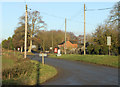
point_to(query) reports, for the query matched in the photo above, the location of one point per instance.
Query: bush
(24, 68)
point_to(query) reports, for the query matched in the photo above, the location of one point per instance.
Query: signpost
(109, 42)
(43, 59)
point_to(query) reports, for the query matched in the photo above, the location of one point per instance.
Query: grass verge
(28, 53)
(19, 71)
(46, 72)
(95, 59)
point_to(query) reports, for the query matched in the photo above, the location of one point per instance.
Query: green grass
(30, 53)
(9, 61)
(96, 59)
(22, 79)
(46, 72)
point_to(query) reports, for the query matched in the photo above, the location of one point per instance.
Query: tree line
(38, 35)
(98, 40)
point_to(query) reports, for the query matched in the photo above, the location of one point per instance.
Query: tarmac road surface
(78, 73)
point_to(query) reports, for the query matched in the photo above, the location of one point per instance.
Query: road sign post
(42, 58)
(109, 42)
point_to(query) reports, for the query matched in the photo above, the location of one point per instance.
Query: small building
(69, 45)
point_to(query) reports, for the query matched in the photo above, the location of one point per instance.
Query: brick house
(69, 45)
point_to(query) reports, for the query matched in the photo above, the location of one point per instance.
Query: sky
(54, 14)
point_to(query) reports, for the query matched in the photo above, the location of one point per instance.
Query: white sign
(108, 40)
(43, 54)
(58, 53)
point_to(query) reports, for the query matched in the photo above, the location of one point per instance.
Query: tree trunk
(30, 47)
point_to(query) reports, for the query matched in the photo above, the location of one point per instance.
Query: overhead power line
(59, 17)
(77, 14)
(97, 9)
(49, 14)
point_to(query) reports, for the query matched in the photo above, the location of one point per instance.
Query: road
(78, 73)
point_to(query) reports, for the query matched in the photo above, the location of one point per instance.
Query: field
(19, 71)
(95, 59)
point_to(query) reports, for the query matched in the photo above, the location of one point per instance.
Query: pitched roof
(64, 42)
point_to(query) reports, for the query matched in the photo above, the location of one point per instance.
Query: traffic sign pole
(42, 58)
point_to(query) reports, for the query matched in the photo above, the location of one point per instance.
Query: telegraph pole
(52, 41)
(25, 32)
(65, 35)
(84, 31)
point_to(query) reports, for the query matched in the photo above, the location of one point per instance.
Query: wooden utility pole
(84, 32)
(52, 41)
(25, 32)
(65, 35)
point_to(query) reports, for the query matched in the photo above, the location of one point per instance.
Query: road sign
(43, 54)
(55, 50)
(109, 40)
